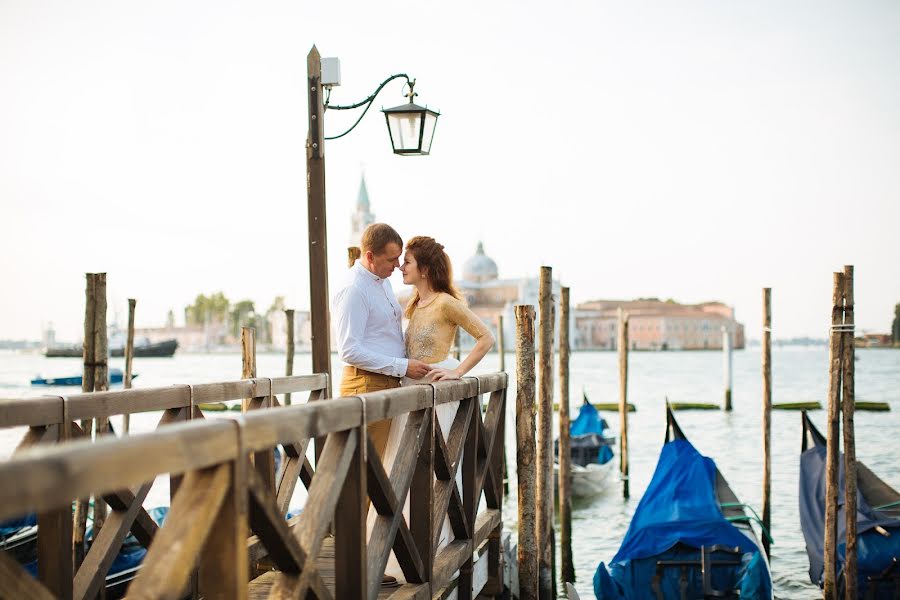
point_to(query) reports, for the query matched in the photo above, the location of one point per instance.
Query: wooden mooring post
(248, 359)
(835, 354)
(129, 359)
(545, 508)
(289, 366)
(501, 346)
(848, 408)
(623, 401)
(527, 552)
(726, 357)
(767, 417)
(567, 568)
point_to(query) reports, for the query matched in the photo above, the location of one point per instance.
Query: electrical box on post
(331, 71)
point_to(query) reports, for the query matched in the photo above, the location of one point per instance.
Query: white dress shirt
(368, 319)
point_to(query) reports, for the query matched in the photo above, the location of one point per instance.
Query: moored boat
(116, 376)
(591, 452)
(690, 536)
(145, 349)
(877, 522)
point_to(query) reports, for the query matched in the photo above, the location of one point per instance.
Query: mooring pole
(726, 355)
(289, 366)
(248, 359)
(457, 351)
(545, 434)
(501, 347)
(623, 401)
(129, 359)
(835, 354)
(527, 553)
(848, 405)
(767, 417)
(567, 570)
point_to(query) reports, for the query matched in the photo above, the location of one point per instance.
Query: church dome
(480, 267)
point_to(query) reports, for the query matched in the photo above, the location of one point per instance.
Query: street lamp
(411, 129)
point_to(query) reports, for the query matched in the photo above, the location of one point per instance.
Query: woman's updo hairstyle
(434, 265)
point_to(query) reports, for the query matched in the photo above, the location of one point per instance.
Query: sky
(690, 150)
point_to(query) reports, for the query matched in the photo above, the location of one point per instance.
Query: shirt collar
(361, 271)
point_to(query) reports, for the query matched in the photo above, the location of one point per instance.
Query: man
(369, 330)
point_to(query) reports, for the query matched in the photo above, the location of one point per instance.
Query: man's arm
(351, 313)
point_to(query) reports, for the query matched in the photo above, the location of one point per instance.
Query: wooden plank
(265, 429)
(54, 548)
(445, 491)
(493, 382)
(92, 574)
(46, 410)
(18, 583)
(451, 391)
(224, 568)
(49, 477)
(38, 434)
(267, 521)
(448, 560)
(421, 495)
(397, 401)
(172, 556)
(470, 493)
(299, 383)
(487, 521)
(107, 404)
(143, 527)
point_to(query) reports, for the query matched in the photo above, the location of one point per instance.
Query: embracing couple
(369, 328)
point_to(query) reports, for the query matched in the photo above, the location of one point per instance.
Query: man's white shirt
(368, 324)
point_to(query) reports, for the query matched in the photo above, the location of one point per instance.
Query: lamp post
(411, 129)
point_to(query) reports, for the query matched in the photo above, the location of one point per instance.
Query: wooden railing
(228, 489)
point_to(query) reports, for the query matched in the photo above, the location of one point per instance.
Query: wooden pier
(226, 535)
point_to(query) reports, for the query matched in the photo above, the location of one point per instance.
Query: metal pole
(318, 239)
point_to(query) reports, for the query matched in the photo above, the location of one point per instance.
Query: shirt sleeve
(351, 310)
(457, 312)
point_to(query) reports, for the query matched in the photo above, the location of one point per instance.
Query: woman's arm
(460, 314)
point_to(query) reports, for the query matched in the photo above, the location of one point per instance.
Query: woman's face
(410, 269)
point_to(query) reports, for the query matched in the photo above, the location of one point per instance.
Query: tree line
(217, 310)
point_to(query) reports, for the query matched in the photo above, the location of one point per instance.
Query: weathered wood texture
(316, 213)
(289, 356)
(623, 401)
(848, 408)
(835, 354)
(567, 567)
(501, 344)
(527, 553)
(129, 359)
(220, 502)
(767, 416)
(546, 538)
(726, 358)
(248, 360)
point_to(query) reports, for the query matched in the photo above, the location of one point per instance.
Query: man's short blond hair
(377, 236)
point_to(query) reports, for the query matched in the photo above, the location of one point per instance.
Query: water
(732, 439)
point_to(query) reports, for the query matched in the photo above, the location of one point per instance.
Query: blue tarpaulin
(588, 421)
(678, 514)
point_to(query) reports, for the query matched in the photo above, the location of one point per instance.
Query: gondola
(116, 376)
(877, 522)
(590, 451)
(690, 536)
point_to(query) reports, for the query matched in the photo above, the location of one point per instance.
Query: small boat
(591, 452)
(116, 376)
(877, 522)
(690, 536)
(143, 349)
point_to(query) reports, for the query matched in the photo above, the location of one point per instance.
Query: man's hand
(417, 369)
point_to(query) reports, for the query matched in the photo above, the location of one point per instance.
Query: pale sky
(694, 150)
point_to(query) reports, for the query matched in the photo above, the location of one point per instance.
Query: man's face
(384, 263)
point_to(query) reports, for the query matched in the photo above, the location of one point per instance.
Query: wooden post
(767, 416)
(831, 454)
(565, 477)
(545, 435)
(726, 354)
(101, 378)
(525, 453)
(623, 401)
(318, 232)
(129, 358)
(248, 359)
(457, 351)
(289, 367)
(87, 425)
(848, 405)
(501, 348)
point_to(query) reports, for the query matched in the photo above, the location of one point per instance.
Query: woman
(435, 312)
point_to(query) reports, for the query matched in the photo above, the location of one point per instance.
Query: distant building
(874, 340)
(277, 320)
(362, 215)
(656, 325)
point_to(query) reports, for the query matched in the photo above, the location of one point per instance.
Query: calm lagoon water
(732, 439)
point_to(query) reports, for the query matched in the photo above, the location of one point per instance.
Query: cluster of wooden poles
(841, 402)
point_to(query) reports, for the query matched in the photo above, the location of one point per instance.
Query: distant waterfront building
(362, 215)
(656, 325)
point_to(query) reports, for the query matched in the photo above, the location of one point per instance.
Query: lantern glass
(411, 128)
